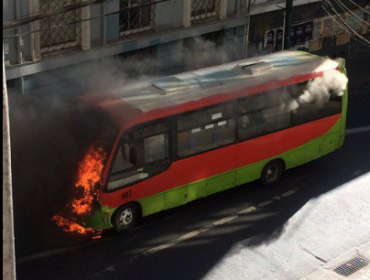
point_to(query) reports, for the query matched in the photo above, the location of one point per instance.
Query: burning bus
(180, 138)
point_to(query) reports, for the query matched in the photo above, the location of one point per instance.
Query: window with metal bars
(205, 10)
(59, 31)
(136, 16)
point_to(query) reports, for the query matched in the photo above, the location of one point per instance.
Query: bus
(190, 135)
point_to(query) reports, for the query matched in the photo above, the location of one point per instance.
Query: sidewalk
(326, 272)
(325, 233)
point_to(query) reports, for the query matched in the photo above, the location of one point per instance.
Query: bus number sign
(126, 195)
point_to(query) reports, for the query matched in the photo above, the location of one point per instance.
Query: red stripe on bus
(214, 162)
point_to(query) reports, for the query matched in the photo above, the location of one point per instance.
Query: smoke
(49, 136)
(201, 53)
(319, 90)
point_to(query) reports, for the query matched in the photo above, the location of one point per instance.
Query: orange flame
(89, 173)
(71, 226)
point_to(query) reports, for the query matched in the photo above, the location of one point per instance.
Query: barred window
(204, 10)
(59, 31)
(136, 16)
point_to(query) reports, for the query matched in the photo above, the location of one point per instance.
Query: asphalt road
(187, 242)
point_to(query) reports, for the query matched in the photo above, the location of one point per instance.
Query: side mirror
(133, 156)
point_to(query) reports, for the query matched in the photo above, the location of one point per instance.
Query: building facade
(69, 46)
(329, 27)
(63, 45)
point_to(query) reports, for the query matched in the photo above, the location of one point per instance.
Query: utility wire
(75, 22)
(348, 28)
(340, 3)
(344, 28)
(20, 22)
(354, 3)
(343, 22)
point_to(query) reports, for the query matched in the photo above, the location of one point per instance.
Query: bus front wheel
(272, 173)
(125, 217)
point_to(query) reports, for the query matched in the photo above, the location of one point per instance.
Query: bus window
(263, 114)
(205, 130)
(316, 110)
(122, 159)
(151, 147)
(156, 148)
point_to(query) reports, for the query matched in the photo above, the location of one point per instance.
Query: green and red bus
(190, 135)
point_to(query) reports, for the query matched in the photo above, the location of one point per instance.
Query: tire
(271, 173)
(125, 217)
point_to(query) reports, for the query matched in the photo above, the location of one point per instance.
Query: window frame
(138, 29)
(82, 38)
(163, 164)
(260, 94)
(234, 116)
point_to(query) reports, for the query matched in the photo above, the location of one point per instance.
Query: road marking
(225, 220)
(247, 210)
(288, 193)
(358, 130)
(267, 202)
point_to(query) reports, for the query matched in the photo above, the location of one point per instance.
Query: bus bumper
(99, 218)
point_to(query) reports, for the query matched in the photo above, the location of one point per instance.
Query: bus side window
(205, 130)
(315, 109)
(122, 158)
(263, 114)
(151, 147)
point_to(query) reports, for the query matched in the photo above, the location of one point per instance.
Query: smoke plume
(49, 136)
(320, 89)
(201, 53)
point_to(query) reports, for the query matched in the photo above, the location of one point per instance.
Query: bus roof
(162, 97)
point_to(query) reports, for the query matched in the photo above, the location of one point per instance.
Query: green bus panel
(329, 143)
(175, 197)
(294, 157)
(249, 173)
(221, 182)
(152, 204)
(197, 190)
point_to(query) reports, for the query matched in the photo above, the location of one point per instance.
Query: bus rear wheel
(125, 218)
(272, 173)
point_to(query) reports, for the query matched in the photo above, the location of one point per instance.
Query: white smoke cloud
(202, 53)
(319, 90)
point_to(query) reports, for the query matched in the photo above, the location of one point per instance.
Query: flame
(69, 225)
(89, 173)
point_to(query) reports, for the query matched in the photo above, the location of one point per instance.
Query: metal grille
(351, 266)
(136, 16)
(204, 10)
(60, 30)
